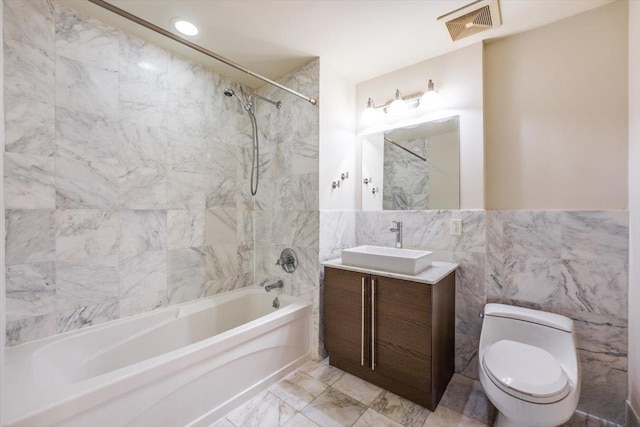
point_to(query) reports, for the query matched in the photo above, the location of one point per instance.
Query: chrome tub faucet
(278, 285)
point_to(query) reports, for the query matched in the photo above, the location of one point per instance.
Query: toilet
(528, 366)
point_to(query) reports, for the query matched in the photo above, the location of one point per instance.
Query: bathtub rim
(83, 395)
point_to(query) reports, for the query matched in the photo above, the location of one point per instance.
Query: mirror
(415, 167)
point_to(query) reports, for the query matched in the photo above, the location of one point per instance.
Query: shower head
(229, 92)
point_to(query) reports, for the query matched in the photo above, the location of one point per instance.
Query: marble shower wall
(286, 206)
(406, 177)
(122, 167)
(573, 263)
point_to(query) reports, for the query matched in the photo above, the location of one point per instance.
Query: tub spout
(279, 284)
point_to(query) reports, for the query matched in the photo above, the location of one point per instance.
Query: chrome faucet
(398, 231)
(278, 285)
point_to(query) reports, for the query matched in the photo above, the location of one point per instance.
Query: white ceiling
(359, 39)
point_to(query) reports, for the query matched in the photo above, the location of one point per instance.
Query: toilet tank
(551, 332)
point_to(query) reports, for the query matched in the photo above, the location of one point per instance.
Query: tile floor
(318, 394)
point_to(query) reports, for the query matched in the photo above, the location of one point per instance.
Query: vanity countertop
(432, 275)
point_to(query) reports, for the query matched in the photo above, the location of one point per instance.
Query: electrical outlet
(456, 227)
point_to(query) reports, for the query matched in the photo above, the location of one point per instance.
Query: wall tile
(299, 192)
(604, 385)
(143, 231)
(86, 39)
(86, 233)
(29, 127)
(86, 136)
(29, 72)
(29, 182)
(143, 146)
(186, 190)
(143, 188)
(81, 317)
(142, 303)
(143, 72)
(595, 235)
(30, 22)
(185, 268)
(473, 238)
(30, 329)
(142, 273)
(221, 192)
(30, 290)
(86, 184)
(221, 227)
(30, 236)
(531, 233)
(86, 282)
(221, 260)
(533, 280)
(596, 286)
(84, 88)
(185, 229)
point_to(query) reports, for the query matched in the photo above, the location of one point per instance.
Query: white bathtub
(183, 365)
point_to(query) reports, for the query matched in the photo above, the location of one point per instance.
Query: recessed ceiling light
(185, 27)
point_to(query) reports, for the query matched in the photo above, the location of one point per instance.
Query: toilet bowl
(528, 366)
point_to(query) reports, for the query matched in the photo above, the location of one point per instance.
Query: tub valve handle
(288, 260)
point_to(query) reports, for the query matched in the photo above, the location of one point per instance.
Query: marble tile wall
(286, 207)
(406, 177)
(122, 168)
(570, 262)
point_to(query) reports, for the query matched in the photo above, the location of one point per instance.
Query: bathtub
(184, 365)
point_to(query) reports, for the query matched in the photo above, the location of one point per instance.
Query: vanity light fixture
(185, 27)
(399, 106)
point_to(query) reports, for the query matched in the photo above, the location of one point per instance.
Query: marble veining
(86, 233)
(97, 190)
(142, 231)
(29, 126)
(29, 182)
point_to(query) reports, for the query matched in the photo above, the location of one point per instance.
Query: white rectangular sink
(403, 261)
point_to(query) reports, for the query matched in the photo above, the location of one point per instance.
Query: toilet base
(503, 421)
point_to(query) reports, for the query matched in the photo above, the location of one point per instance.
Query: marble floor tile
(299, 420)
(466, 397)
(357, 388)
(298, 389)
(444, 416)
(223, 423)
(401, 410)
(264, 410)
(323, 371)
(333, 408)
(373, 419)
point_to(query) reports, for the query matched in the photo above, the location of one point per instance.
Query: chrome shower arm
(278, 104)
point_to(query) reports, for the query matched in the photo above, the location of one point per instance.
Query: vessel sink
(403, 261)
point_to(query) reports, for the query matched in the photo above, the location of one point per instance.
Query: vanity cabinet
(395, 333)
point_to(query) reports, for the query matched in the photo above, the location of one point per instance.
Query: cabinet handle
(373, 324)
(362, 327)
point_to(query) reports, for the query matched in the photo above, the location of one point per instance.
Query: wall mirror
(415, 167)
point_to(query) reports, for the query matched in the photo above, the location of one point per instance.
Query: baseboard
(633, 420)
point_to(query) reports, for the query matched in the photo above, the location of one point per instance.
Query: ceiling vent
(478, 16)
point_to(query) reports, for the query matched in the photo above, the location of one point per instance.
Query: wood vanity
(392, 330)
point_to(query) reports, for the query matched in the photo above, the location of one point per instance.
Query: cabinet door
(346, 333)
(402, 332)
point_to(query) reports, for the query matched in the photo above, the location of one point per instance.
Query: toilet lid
(525, 371)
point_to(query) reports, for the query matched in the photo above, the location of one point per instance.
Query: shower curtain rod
(194, 46)
(405, 149)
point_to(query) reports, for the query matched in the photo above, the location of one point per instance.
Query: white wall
(373, 151)
(337, 140)
(634, 206)
(458, 78)
(556, 114)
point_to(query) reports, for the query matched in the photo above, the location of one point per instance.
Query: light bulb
(186, 28)
(431, 99)
(398, 105)
(370, 115)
